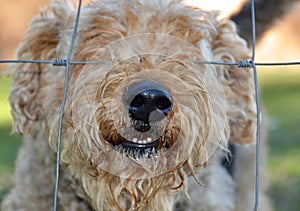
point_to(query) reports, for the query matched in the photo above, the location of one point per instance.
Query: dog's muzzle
(149, 104)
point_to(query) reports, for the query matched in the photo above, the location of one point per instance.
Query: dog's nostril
(137, 102)
(163, 103)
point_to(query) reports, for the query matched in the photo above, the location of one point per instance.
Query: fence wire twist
(242, 64)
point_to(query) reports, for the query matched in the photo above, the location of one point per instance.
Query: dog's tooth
(140, 141)
(127, 151)
(134, 140)
(158, 152)
(149, 140)
(118, 148)
(132, 153)
(147, 153)
(138, 153)
(145, 142)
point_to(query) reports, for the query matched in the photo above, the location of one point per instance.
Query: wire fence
(241, 64)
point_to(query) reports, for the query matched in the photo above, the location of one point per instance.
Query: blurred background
(280, 93)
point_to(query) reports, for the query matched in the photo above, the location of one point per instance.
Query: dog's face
(148, 114)
(148, 105)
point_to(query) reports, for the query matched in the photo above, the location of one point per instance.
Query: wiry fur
(212, 106)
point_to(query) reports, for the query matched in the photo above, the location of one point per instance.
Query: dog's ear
(39, 44)
(238, 83)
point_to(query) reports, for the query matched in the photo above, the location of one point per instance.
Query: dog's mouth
(142, 147)
(141, 144)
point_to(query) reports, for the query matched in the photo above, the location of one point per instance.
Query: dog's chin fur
(136, 40)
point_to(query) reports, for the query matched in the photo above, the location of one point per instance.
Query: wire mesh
(241, 64)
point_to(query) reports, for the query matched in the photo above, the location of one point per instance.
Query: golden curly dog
(145, 128)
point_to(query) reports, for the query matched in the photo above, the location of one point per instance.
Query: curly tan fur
(136, 40)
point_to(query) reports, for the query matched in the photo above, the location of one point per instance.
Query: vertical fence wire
(74, 35)
(258, 110)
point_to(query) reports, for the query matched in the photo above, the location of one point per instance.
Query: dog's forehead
(157, 4)
(137, 13)
(174, 25)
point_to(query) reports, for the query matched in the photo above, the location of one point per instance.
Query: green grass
(281, 96)
(4, 107)
(280, 93)
(9, 144)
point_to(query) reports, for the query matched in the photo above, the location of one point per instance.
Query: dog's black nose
(150, 102)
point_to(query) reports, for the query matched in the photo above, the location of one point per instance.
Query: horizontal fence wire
(242, 64)
(62, 62)
(54, 62)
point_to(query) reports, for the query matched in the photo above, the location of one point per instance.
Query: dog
(146, 123)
